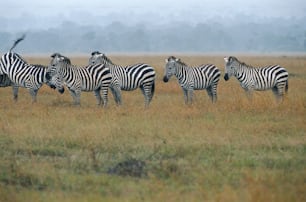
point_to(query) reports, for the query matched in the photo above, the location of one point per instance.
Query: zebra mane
(105, 58)
(17, 41)
(63, 58)
(66, 60)
(102, 57)
(182, 63)
(95, 53)
(171, 58)
(56, 55)
(231, 58)
(177, 60)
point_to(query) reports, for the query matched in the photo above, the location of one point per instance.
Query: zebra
(205, 76)
(18, 73)
(128, 78)
(90, 78)
(272, 77)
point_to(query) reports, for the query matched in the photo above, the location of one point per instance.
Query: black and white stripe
(128, 78)
(193, 78)
(16, 72)
(90, 78)
(272, 77)
(22, 74)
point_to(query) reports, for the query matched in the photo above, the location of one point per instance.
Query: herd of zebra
(102, 74)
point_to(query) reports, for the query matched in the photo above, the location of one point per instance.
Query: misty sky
(13, 8)
(259, 24)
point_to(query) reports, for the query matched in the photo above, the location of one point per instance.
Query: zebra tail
(17, 41)
(287, 86)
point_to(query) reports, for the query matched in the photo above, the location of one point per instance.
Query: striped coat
(193, 78)
(272, 77)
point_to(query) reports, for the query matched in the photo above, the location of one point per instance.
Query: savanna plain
(234, 150)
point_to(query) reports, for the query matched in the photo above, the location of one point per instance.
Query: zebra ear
(56, 55)
(95, 53)
(226, 59)
(166, 60)
(62, 58)
(177, 59)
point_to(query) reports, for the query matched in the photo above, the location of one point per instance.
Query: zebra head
(99, 58)
(51, 70)
(231, 64)
(56, 59)
(170, 68)
(54, 80)
(96, 58)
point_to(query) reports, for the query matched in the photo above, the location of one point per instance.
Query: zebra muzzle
(165, 79)
(226, 77)
(61, 91)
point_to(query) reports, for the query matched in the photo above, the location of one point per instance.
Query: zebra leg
(114, 94)
(76, 96)
(15, 92)
(249, 94)
(212, 93)
(104, 90)
(190, 96)
(116, 91)
(185, 91)
(118, 95)
(152, 89)
(146, 91)
(279, 91)
(33, 93)
(98, 96)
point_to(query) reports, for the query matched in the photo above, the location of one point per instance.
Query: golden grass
(234, 150)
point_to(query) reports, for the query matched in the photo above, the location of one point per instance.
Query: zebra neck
(106, 61)
(112, 66)
(241, 72)
(181, 72)
(66, 70)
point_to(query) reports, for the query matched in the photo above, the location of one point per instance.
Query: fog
(77, 26)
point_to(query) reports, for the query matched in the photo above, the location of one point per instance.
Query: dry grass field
(234, 150)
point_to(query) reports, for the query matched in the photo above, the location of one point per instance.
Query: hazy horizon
(259, 25)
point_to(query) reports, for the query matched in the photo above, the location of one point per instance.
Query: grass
(234, 150)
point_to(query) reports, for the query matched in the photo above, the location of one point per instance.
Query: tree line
(277, 35)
